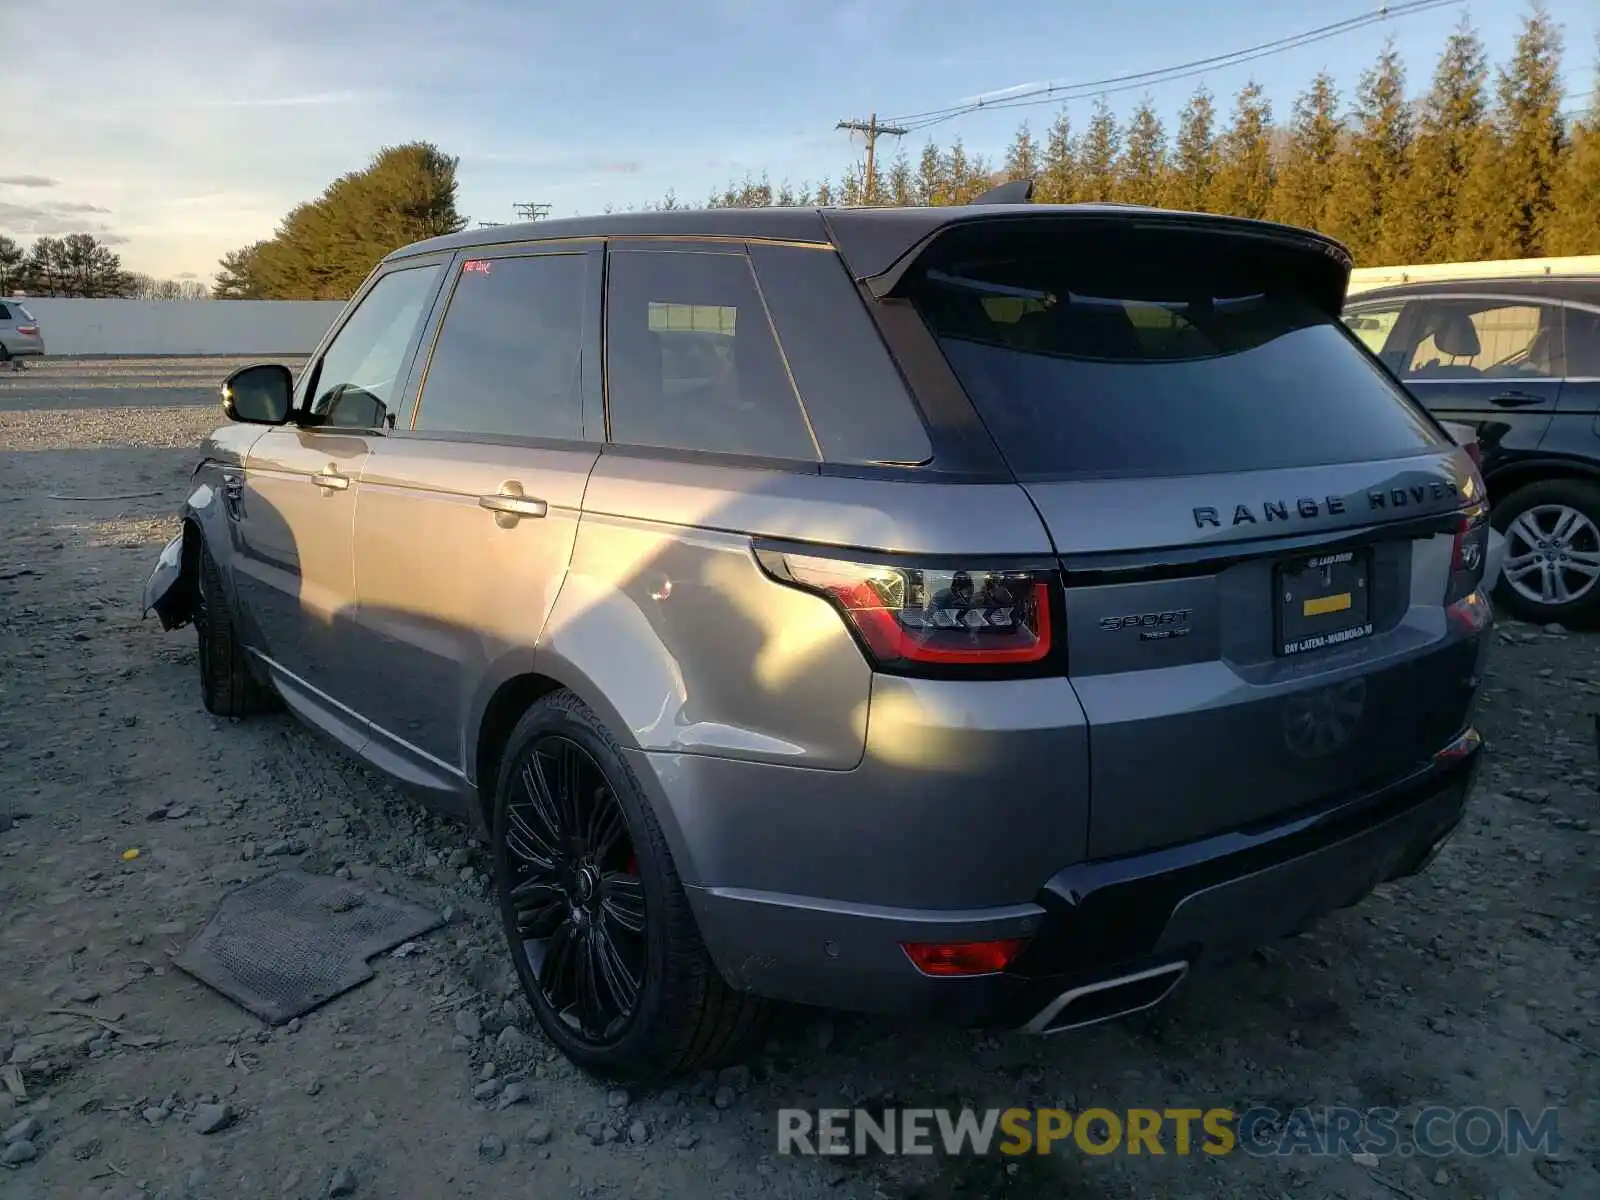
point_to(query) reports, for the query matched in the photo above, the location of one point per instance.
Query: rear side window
(691, 362)
(1151, 352)
(1583, 343)
(1485, 339)
(5, 313)
(509, 356)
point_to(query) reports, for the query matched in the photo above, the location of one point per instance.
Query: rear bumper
(25, 347)
(1143, 919)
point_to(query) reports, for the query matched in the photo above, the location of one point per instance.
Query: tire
(1567, 513)
(227, 686)
(683, 1014)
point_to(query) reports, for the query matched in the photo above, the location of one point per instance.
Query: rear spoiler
(1327, 261)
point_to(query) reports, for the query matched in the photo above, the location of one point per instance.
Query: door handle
(1515, 400)
(330, 480)
(510, 504)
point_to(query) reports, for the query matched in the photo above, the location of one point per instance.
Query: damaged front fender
(170, 590)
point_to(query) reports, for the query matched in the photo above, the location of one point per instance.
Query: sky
(180, 129)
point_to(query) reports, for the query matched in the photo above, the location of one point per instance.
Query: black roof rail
(1017, 191)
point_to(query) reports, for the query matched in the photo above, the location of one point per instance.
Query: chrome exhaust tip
(1107, 999)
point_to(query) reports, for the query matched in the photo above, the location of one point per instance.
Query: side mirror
(259, 395)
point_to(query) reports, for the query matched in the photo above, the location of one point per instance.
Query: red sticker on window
(478, 265)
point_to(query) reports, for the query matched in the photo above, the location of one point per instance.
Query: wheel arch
(1516, 475)
(513, 695)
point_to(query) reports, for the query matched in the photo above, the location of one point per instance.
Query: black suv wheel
(600, 929)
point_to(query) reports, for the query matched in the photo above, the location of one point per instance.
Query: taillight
(912, 619)
(28, 330)
(1469, 554)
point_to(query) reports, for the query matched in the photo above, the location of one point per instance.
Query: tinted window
(5, 313)
(359, 373)
(1158, 354)
(691, 361)
(858, 404)
(1583, 344)
(509, 355)
(1484, 339)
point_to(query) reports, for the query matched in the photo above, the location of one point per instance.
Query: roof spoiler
(1017, 191)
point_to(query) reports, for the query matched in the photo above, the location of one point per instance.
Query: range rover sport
(990, 612)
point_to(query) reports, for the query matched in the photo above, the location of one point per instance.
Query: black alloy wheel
(574, 896)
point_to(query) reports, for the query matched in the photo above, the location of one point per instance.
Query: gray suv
(19, 333)
(987, 612)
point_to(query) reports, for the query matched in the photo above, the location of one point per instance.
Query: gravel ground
(1472, 985)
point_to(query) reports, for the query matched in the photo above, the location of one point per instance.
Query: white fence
(1364, 279)
(161, 327)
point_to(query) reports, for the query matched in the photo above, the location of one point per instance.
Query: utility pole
(870, 129)
(531, 211)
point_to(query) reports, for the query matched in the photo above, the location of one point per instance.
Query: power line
(872, 129)
(530, 211)
(1055, 93)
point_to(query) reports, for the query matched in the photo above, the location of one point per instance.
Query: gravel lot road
(1473, 985)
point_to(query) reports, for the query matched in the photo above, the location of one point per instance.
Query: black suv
(1519, 361)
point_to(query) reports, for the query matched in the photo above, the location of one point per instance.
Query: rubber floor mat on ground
(288, 943)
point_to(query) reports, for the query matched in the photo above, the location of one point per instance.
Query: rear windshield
(1157, 354)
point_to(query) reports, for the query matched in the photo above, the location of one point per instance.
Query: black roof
(871, 240)
(1585, 288)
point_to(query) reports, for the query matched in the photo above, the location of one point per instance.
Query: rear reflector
(1461, 747)
(946, 959)
(911, 617)
(1470, 614)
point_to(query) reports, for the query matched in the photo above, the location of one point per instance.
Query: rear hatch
(1270, 575)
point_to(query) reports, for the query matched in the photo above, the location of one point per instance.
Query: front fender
(170, 590)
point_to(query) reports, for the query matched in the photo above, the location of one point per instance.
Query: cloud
(54, 219)
(311, 99)
(630, 166)
(29, 181)
(1005, 92)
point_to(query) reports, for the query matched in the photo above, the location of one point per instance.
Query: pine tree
(1022, 156)
(1575, 198)
(932, 186)
(1243, 182)
(1311, 157)
(902, 184)
(966, 175)
(323, 249)
(1194, 160)
(1141, 178)
(1428, 198)
(1098, 155)
(1370, 169)
(1058, 183)
(1531, 137)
